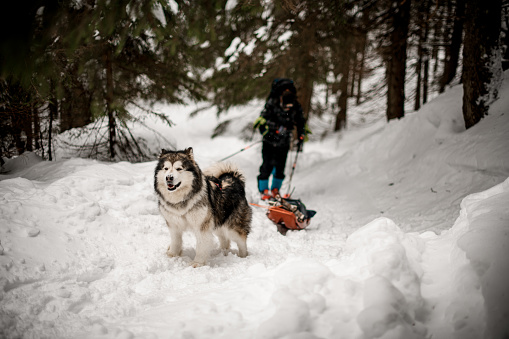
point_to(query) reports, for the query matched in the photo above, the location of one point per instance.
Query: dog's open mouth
(172, 187)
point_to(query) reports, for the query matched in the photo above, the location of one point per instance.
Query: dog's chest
(184, 220)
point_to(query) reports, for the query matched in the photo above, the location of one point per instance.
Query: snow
(159, 14)
(410, 239)
(174, 7)
(230, 5)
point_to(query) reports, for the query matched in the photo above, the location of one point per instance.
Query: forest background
(68, 64)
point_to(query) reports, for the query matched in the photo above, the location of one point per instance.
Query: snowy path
(108, 260)
(99, 266)
(390, 254)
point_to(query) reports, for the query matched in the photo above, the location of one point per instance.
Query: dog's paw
(195, 264)
(173, 254)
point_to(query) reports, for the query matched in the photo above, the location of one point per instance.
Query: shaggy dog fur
(205, 203)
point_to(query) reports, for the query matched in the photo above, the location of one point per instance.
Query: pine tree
(95, 57)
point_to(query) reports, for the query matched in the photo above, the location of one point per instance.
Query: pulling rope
(242, 150)
(257, 205)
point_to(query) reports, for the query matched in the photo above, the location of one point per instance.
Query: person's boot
(265, 195)
(276, 186)
(263, 188)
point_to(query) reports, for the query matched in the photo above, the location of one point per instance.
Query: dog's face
(175, 172)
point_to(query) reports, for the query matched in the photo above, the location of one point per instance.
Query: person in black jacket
(281, 115)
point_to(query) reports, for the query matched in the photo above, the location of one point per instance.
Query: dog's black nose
(169, 178)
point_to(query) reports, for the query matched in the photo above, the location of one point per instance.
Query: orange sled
(289, 214)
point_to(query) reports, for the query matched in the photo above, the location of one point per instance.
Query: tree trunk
(421, 51)
(505, 42)
(366, 23)
(342, 101)
(453, 50)
(396, 61)
(28, 127)
(418, 85)
(344, 70)
(109, 105)
(75, 109)
(53, 112)
(305, 64)
(436, 37)
(66, 110)
(482, 58)
(361, 68)
(305, 94)
(37, 127)
(354, 68)
(425, 78)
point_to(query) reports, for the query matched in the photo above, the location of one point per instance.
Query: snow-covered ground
(411, 239)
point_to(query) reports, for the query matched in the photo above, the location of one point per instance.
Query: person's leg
(265, 168)
(280, 163)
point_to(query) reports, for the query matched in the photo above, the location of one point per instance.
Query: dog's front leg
(204, 244)
(175, 249)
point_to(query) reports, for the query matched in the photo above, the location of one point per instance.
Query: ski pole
(243, 149)
(291, 174)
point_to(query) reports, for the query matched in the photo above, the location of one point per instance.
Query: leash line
(242, 150)
(257, 205)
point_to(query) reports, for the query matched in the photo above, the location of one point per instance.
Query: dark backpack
(279, 85)
(308, 214)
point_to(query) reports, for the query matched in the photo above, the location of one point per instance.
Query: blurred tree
(97, 56)
(129, 50)
(67, 63)
(396, 56)
(16, 118)
(298, 39)
(505, 34)
(482, 58)
(452, 40)
(230, 48)
(421, 66)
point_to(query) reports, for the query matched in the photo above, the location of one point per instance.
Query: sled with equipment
(289, 214)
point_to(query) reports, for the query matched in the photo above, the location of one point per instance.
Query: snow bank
(17, 164)
(485, 220)
(374, 290)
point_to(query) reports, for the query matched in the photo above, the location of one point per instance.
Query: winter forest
(70, 64)
(407, 167)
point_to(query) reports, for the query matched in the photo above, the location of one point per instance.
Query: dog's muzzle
(170, 184)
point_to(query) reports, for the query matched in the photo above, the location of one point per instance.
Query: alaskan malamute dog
(212, 201)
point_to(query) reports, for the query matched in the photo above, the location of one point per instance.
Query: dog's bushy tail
(225, 168)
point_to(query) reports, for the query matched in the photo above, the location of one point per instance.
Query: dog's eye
(166, 168)
(179, 169)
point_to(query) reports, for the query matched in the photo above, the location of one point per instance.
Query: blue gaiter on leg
(263, 185)
(276, 183)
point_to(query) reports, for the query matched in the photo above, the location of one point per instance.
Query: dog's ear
(189, 152)
(163, 152)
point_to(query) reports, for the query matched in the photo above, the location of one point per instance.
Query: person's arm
(264, 120)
